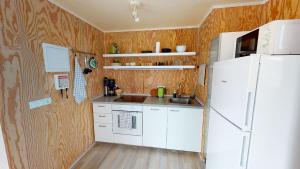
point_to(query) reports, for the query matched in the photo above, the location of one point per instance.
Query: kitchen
(60, 133)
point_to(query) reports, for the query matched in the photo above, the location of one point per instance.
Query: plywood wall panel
(53, 136)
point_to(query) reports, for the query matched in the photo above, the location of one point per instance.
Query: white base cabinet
(155, 126)
(163, 127)
(184, 129)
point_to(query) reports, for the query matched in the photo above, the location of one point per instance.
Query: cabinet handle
(175, 110)
(154, 109)
(101, 106)
(101, 126)
(102, 116)
(224, 81)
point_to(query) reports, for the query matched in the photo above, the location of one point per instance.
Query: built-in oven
(247, 44)
(128, 122)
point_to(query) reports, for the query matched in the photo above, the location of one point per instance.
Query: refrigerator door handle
(248, 111)
(244, 152)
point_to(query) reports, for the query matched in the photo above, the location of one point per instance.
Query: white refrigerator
(255, 113)
(3, 156)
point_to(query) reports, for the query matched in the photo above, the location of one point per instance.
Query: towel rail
(82, 52)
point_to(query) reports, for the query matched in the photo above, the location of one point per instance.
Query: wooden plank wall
(143, 81)
(240, 19)
(51, 137)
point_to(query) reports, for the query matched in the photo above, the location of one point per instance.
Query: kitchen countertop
(155, 101)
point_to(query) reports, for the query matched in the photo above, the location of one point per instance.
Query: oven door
(127, 123)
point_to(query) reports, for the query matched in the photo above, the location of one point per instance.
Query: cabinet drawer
(101, 108)
(103, 132)
(154, 109)
(102, 118)
(127, 107)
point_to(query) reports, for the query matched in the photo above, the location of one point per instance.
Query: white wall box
(56, 58)
(155, 126)
(184, 130)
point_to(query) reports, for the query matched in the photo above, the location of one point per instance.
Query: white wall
(3, 157)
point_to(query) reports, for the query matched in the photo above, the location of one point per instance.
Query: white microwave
(276, 37)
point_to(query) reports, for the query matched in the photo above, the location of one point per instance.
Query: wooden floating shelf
(150, 54)
(180, 67)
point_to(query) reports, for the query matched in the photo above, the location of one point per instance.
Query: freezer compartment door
(227, 145)
(233, 89)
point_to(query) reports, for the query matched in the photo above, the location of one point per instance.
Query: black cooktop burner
(129, 98)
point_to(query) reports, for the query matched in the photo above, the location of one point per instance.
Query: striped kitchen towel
(79, 91)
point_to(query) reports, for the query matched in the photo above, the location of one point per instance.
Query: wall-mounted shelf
(180, 67)
(150, 54)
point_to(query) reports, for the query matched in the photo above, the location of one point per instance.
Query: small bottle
(174, 94)
(157, 47)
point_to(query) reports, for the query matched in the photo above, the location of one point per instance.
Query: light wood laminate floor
(115, 156)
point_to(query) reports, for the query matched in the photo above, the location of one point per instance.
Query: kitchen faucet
(179, 90)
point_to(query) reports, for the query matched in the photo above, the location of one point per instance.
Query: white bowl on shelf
(116, 64)
(132, 64)
(180, 48)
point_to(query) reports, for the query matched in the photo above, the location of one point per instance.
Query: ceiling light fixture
(135, 4)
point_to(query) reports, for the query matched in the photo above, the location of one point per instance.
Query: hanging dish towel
(125, 120)
(79, 92)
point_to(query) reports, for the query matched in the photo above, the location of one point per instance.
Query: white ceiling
(115, 15)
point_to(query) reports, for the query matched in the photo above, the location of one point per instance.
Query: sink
(181, 100)
(130, 98)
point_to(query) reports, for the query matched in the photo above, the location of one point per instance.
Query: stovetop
(131, 98)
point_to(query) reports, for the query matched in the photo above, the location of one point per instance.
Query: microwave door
(247, 44)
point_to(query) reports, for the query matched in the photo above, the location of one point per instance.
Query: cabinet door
(103, 132)
(184, 131)
(155, 126)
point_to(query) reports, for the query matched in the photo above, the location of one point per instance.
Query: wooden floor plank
(115, 156)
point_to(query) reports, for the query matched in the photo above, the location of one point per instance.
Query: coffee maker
(109, 87)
